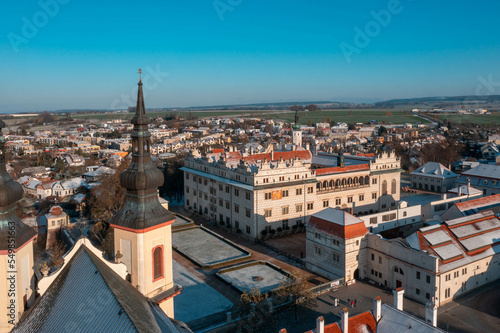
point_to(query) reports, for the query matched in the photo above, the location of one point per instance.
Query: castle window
(157, 263)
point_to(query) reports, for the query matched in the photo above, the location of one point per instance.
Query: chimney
(344, 320)
(431, 313)
(398, 298)
(320, 325)
(377, 308)
(459, 190)
(468, 183)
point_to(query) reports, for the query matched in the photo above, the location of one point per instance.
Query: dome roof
(10, 190)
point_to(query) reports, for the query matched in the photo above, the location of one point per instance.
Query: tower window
(157, 263)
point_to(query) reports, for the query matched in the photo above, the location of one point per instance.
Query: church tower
(340, 158)
(142, 228)
(16, 250)
(296, 131)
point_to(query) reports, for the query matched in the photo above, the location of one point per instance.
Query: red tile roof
(347, 168)
(277, 155)
(345, 232)
(218, 150)
(477, 203)
(56, 210)
(233, 154)
(361, 323)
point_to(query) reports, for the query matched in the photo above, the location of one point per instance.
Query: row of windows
(456, 274)
(379, 258)
(427, 277)
(376, 273)
(427, 295)
(282, 178)
(346, 182)
(213, 191)
(284, 193)
(236, 223)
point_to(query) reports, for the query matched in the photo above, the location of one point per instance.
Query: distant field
(347, 116)
(354, 116)
(479, 119)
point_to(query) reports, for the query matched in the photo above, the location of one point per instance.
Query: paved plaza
(197, 299)
(257, 275)
(205, 248)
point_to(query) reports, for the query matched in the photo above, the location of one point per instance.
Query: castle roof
(338, 223)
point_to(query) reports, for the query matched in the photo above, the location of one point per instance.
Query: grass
(478, 119)
(341, 115)
(353, 116)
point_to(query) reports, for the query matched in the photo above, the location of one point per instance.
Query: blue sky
(85, 54)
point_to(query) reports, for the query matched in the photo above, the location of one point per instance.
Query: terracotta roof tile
(477, 203)
(347, 168)
(346, 232)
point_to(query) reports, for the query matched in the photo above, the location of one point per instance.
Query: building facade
(335, 244)
(280, 189)
(433, 177)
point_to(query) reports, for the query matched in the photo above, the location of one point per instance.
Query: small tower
(296, 131)
(340, 158)
(16, 250)
(142, 228)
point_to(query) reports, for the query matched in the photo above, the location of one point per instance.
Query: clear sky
(85, 54)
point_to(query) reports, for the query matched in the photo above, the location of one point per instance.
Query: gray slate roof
(393, 320)
(434, 169)
(89, 297)
(484, 170)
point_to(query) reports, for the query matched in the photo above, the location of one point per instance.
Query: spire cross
(140, 74)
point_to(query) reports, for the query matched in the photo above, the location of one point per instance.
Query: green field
(341, 115)
(353, 116)
(478, 119)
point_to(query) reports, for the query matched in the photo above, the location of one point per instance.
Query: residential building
(433, 177)
(438, 262)
(484, 177)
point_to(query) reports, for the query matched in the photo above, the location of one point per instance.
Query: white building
(433, 177)
(256, 192)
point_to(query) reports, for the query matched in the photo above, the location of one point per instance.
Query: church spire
(10, 193)
(140, 109)
(142, 178)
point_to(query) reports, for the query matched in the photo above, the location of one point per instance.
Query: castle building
(142, 228)
(335, 244)
(17, 291)
(280, 189)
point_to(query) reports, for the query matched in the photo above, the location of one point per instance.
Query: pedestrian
(354, 302)
(348, 301)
